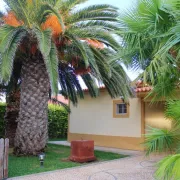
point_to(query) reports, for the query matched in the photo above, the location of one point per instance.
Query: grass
(56, 158)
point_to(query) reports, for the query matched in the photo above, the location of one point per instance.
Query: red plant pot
(82, 151)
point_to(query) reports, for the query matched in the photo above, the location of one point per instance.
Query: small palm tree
(150, 34)
(164, 140)
(56, 42)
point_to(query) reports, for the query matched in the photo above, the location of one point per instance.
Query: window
(120, 109)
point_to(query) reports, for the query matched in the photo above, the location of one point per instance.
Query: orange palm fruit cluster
(10, 19)
(95, 43)
(52, 22)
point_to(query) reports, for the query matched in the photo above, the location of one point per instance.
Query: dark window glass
(121, 109)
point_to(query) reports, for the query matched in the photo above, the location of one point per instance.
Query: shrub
(58, 121)
(57, 117)
(2, 124)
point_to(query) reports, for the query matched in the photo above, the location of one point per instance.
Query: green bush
(57, 116)
(2, 113)
(58, 121)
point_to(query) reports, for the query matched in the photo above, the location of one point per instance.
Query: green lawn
(56, 158)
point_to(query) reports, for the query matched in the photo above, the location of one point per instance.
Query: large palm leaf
(160, 140)
(149, 33)
(168, 168)
(71, 38)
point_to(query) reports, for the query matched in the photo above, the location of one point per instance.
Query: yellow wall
(95, 116)
(154, 115)
(93, 119)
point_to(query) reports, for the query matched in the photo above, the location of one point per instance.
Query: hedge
(58, 121)
(57, 117)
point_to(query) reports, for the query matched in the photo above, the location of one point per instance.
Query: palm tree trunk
(32, 130)
(11, 115)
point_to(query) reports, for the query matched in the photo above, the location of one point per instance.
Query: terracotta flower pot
(82, 151)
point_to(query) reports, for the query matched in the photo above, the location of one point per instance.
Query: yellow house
(112, 123)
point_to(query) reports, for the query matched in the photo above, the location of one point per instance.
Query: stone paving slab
(130, 168)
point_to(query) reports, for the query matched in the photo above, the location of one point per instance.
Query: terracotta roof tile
(142, 87)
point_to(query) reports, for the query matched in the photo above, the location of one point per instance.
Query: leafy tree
(150, 41)
(56, 42)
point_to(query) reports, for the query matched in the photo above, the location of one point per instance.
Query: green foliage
(173, 110)
(57, 117)
(159, 140)
(150, 32)
(10, 38)
(163, 140)
(169, 168)
(58, 121)
(2, 113)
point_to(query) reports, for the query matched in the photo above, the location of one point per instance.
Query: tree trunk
(11, 115)
(32, 130)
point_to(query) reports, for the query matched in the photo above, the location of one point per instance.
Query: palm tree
(150, 40)
(167, 140)
(150, 36)
(56, 42)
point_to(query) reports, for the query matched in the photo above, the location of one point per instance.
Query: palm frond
(109, 26)
(95, 12)
(90, 82)
(171, 42)
(101, 61)
(172, 111)
(69, 83)
(52, 68)
(44, 41)
(159, 140)
(168, 168)
(80, 46)
(20, 8)
(163, 87)
(103, 36)
(10, 41)
(67, 5)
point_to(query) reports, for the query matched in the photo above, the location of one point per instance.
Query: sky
(121, 4)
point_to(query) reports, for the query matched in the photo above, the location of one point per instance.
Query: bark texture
(32, 130)
(11, 115)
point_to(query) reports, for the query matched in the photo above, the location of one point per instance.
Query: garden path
(135, 167)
